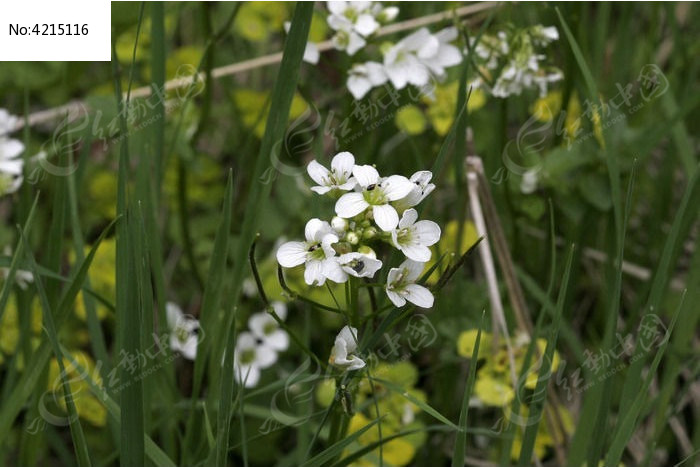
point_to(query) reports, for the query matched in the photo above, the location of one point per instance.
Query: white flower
(359, 265)
(343, 352)
(421, 189)
(384, 15)
(183, 331)
(413, 238)
(8, 122)
(316, 253)
(365, 76)
(338, 178)
(376, 193)
(264, 327)
(11, 164)
(250, 357)
(528, 184)
(415, 57)
(352, 21)
(401, 285)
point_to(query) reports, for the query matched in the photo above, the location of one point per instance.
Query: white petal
(258, 322)
(358, 86)
(189, 348)
(315, 230)
(311, 53)
(291, 254)
(355, 363)
(11, 166)
(342, 164)
(390, 13)
(278, 340)
(375, 73)
(348, 335)
(422, 177)
(350, 204)
(385, 216)
(245, 341)
(321, 190)
(415, 40)
(174, 314)
(10, 148)
(414, 269)
(365, 175)
(429, 48)
(366, 24)
(355, 43)
(318, 173)
(313, 274)
(337, 7)
(419, 295)
(396, 187)
(396, 299)
(333, 271)
(394, 274)
(280, 308)
(428, 232)
(416, 252)
(408, 219)
(265, 356)
(248, 375)
(447, 35)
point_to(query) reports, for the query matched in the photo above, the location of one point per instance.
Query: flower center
(374, 195)
(315, 252)
(269, 328)
(182, 334)
(404, 236)
(357, 265)
(247, 356)
(351, 14)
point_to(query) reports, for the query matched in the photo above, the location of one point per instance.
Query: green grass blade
(153, 452)
(16, 258)
(336, 449)
(540, 392)
(79, 443)
(461, 438)
(424, 406)
(628, 424)
(284, 88)
(25, 385)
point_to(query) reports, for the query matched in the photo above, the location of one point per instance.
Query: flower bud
(352, 238)
(339, 224)
(369, 233)
(367, 251)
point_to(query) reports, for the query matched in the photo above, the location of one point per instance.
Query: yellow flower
(467, 340)
(493, 391)
(255, 105)
(546, 108)
(102, 192)
(410, 120)
(441, 109)
(86, 404)
(397, 452)
(448, 245)
(9, 325)
(257, 20)
(102, 278)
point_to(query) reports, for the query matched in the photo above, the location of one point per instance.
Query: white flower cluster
(369, 209)
(258, 348)
(509, 61)
(11, 162)
(412, 60)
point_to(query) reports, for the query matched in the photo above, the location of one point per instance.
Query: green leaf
(337, 448)
(282, 94)
(461, 438)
